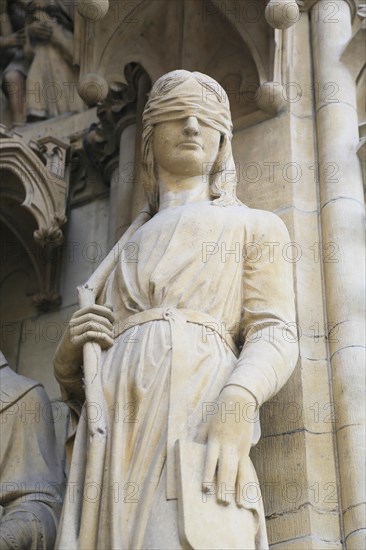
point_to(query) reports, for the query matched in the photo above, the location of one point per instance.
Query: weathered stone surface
(300, 163)
(39, 339)
(188, 203)
(39, 77)
(31, 474)
(85, 246)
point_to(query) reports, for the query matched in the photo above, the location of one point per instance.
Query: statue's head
(190, 96)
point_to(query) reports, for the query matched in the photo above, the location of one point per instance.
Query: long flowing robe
(51, 74)
(164, 368)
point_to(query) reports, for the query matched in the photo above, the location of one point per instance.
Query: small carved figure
(201, 334)
(13, 64)
(40, 80)
(31, 478)
(50, 29)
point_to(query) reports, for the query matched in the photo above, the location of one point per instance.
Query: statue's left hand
(229, 440)
(40, 30)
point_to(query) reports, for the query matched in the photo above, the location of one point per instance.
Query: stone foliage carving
(31, 478)
(114, 113)
(194, 325)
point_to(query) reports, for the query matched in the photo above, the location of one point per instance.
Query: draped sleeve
(270, 348)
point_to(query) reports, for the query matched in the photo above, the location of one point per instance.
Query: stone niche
(274, 147)
(136, 43)
(233, 47)
(269, 77)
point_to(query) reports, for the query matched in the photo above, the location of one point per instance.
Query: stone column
(121, 120)
(122, 185)
(143, 87)
(127, 195)
(342, 211)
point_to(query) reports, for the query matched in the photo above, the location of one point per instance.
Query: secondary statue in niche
(201, 326)
(36, 71)
(31, 478)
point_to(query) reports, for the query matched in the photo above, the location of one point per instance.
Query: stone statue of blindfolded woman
(198, 339)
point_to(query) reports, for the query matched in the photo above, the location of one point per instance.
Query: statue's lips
(190, 144)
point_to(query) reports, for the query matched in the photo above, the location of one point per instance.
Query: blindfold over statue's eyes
(172, 106)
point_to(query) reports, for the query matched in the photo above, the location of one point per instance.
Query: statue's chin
(189, 165)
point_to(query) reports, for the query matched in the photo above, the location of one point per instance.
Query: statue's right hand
(13, 40)
(93, 323)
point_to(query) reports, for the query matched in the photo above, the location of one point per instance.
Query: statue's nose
(191, 127)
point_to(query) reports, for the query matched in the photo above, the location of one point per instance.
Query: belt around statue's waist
(179, 403)
(211, 324)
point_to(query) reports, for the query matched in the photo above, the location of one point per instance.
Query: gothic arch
(32, 207)
(141, 32)
(45, 191)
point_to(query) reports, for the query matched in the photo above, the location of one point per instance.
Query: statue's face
(186, 147)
